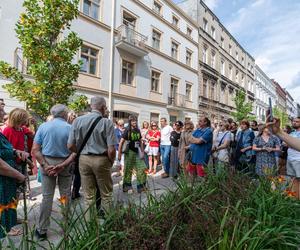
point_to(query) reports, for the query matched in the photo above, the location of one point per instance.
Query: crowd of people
(79, 152)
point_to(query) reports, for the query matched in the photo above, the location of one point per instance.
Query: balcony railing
(177, 100)
(131, 40)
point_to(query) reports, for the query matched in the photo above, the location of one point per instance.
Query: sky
(270, 31)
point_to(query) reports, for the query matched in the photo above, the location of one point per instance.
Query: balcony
(177, 100)
(131, 41)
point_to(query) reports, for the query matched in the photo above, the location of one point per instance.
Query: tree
(243, 108)
(283, 116)
(79, 103)
(50, 56)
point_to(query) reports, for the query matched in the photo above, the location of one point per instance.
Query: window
(222, 42)
(155, 81)
(175, 21)
(230, 72)
(154, 117)
(242, 60)
(189, 31)
(213, 59)
(127, 72)
(156, 36)
(223, 67)
(222, 95)
(204, 88)
(212, 91)
(237, 76)
(188, 92)
(89, 57)
(237, 55)
(205, 24)
(173, 89)
(243, 81)
(188, 57)
(92, 8)
(204, 54)
(157, 7)
(174, 50)
(230, 49)
(213, 32)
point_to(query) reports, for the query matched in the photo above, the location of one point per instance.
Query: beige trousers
(96, 170)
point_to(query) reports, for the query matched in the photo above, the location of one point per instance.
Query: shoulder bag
(86, 138)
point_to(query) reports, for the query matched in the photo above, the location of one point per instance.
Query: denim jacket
(247, 141)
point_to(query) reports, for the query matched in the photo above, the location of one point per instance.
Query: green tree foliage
(243, 108)
(79, 103)
(39, 31)
(283, 116)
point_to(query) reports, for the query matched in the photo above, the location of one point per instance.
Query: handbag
(223, 154)
(86, 138)
(125, 147)
(146, 150)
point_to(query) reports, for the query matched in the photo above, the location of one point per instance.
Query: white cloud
(271, 32)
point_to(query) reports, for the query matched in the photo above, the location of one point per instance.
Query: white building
(291, 106)
(264, 90)
(155, 62)
(225, 66)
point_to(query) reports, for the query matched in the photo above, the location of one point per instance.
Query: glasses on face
(153, 125)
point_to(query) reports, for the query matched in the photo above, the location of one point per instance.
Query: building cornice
(96, 22)
(158, 52)
(182, 12)
(144, 6)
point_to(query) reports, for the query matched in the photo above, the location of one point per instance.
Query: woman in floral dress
(265, 145)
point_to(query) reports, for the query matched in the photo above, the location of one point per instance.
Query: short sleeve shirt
(201, 152)
(155, 134)
(175, 137)
(133, 136)
(165, 135)
(294, 155)
(53, 137)
(102, 137)
(222, 137)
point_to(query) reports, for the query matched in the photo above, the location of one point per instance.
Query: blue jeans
(165, 153)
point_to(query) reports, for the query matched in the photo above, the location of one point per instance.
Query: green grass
(224, 211)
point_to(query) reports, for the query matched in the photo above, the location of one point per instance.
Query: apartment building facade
(280, 96)
(264, 89)
(155, 60)
(224, 66)
(291, 106)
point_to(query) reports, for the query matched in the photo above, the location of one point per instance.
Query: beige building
(224, 66)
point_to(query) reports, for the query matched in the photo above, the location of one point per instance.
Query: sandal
(15, 232)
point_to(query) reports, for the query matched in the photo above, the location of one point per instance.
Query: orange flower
(63, 200)
(280, 179)
(12, 205)
(290, 193)
(2, 208)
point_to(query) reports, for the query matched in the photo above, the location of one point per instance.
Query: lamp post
(111, 58)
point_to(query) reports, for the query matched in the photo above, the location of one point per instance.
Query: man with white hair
(98, 154)
(51, 151)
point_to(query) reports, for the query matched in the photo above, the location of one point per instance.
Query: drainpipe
(111, 58)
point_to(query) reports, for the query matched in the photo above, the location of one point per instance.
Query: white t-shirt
(294, 155)
(165, 135)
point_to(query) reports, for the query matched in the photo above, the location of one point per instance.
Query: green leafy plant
(243, 108)
(79, 103)
(49, 55)
(283, 116)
